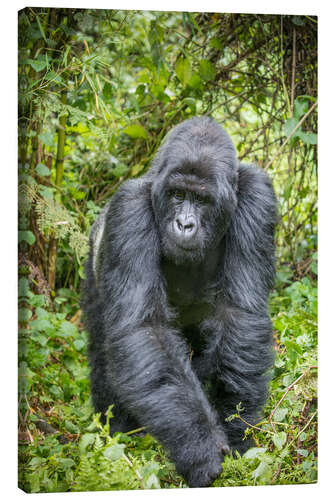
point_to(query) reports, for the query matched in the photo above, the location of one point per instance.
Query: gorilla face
(193, 213)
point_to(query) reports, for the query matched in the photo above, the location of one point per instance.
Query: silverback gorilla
(175, 299)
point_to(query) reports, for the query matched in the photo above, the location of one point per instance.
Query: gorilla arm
(240, 348)
(148, 363)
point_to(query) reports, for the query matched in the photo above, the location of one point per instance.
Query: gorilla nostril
(189, 227)
(179, 225)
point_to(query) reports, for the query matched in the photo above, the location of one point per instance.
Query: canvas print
(167, 296)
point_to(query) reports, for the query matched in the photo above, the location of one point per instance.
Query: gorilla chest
(187, 294)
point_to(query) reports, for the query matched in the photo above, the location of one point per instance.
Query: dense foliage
(98, 91)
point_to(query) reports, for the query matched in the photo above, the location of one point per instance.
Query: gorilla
(175, 299)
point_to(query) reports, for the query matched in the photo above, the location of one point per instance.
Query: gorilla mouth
(187, 248)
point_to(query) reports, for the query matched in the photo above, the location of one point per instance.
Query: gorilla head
(194, 189)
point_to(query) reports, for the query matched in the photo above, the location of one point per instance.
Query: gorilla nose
(185, 226)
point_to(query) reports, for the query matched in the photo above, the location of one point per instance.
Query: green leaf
(279, 363)
(280, 414)
(66, 463)
(300, 108)
(24, 314)
(23, 287)
(292, 346)
(79, 344)
(27, 236)
(46, 138)
(56, 391)
(136, 169)
(42, 170)
(191, 103)
(215, 43)
(196, 82)
(67, 329)
(263, 472)
(289, 127)
(183, 70)
(136, 132)
(72, 428)
(51, 75)
(40, 324)
(108, 91)
(37, 64)
(254, 453)
(280, 439)
(114, 451)
(41, 28)
(46, 192)
(302, 452)
(308, 137)
(207, 70)
(120, 170)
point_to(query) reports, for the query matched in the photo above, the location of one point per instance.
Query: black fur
(177, 314)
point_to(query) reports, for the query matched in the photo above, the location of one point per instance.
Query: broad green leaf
(42, 170)
(290, 125)
(108, 91)
(136, 132)
(207, 70)
(279, 363)
(215, 43)
(300, 108)
(302, 452)
(120, 170)
(46, 138)
(23, 287)
(51, 75)
(86, 440)
(24, 314)
(303, 436)
(36, 461)
(191, 103)
(114, 451)
(263, 472)
(27, 236)
(66, 463)
(46, 192)
(280, 414)
(280, 439)
(308, 137)
(196, 82)
(292, 346)
(40, 324)
(183, 70)
(37, 64)
(136, 169)
(67, 329)
(152, 482)
(79, 344)
(74, 429)
(288, 187)
(254, 453)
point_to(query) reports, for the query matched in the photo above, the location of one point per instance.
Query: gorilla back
(175, 300)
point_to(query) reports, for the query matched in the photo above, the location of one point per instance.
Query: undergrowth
(64, 447)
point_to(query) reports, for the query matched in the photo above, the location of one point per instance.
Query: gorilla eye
(178, 194)
(200, 199)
